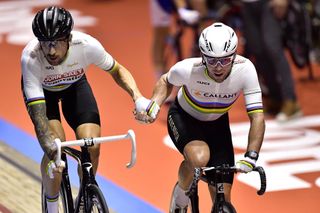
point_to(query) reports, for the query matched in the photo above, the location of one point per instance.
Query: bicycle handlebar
(263, 180)
(227, 169)
(91, 141)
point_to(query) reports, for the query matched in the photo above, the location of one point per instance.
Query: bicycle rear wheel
(223, 207)
(96, 201)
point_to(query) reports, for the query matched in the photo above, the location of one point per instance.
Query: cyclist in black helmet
(52, 23)
(53, 71)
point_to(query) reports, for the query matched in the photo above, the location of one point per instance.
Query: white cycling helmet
(218, 40)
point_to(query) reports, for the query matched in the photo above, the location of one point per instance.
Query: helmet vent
(225, 46)
(45, 17)
(210, 46)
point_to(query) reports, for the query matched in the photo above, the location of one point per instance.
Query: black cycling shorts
(77, 102)
(183, 128)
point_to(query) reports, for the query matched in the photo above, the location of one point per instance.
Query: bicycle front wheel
(223, 207)
(96, 201)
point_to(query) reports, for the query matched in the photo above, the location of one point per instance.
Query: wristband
(252, 154)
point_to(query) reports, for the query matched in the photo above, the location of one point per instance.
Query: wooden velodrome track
(290, 155)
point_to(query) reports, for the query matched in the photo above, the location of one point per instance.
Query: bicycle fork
(194, 198)
(220, 196)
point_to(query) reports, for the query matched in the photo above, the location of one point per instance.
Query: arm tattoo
(40, 121)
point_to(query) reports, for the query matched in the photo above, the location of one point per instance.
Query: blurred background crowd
(272, 32)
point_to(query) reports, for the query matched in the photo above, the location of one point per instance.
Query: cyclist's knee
(197, 153)
(199, 160)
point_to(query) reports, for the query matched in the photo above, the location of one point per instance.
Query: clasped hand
(146, 110)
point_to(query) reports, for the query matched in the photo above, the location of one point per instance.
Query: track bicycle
(89, 198)
(220, 204)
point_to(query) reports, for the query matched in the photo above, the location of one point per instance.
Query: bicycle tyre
(63, 201)
(224, 207)
(96, 201)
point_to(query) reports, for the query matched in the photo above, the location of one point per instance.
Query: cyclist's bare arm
(256, 132)
(40, 121)
(162, 90)
(125, 80)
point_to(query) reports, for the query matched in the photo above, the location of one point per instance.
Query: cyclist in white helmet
(198, 122)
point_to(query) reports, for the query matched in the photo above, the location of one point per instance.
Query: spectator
(264, 41)
(161, 12)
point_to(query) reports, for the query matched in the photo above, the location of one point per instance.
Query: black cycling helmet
(52, 23)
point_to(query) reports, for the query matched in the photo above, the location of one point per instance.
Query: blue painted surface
(119, 200)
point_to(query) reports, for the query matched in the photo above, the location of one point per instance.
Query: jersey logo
(205, 94)
(203, 82)
(67, 77)
(49, 67)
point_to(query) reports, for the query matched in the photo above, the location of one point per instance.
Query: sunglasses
(223, 61)
(54, 43)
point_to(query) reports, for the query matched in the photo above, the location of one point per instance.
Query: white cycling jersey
(207, 100)
(38, 73)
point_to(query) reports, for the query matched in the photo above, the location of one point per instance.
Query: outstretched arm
(146, 110)
(126, 81)
(162, 90)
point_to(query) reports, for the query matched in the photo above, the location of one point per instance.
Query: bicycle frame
(220, 202)
(83, 159)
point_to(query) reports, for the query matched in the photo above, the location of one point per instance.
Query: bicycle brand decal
(173, 128)
(220, 188)
(88, 141)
